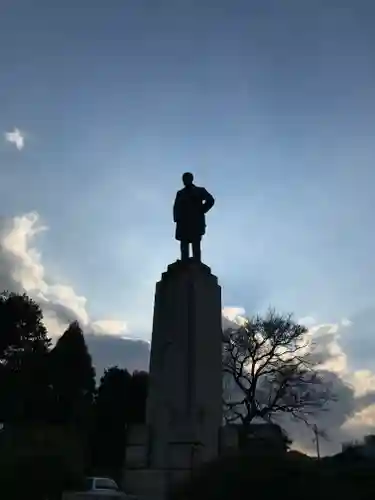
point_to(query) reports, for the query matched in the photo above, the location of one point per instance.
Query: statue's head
(187, 179)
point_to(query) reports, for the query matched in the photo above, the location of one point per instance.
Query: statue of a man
(190, 206)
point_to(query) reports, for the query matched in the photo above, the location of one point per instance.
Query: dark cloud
(336, 413)
(329, 421)
(320, 349)
(364, 401)
(109, 350)
(357, 340)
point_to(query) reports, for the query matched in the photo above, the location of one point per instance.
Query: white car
(98, 487)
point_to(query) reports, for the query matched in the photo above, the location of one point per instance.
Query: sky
(103, 106)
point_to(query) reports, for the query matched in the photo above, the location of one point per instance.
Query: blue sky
(271, 104)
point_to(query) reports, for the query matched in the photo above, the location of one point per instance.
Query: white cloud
(16, 137)
(234, 314)
(363, 382)
(346, 322)
(353, 415)
(66, 296)
(27, 269)
(362, 423)
(54, 325)
(336, 359)
(111, 326)
(21, 268)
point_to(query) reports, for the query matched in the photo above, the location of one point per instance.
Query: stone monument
(184, 407)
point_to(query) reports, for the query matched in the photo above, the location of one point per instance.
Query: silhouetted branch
(269, 368)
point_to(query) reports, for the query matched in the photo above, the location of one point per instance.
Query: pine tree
(73, 378)
(24, 346)
(21, 329)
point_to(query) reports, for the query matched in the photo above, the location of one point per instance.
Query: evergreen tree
(22, 331)
(73, 378)
(24, 346)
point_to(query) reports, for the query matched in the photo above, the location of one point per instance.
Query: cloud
(336, 345)
(16, 137)
(352, 414)
(233, 316)
(363, 422)
(21, 269)
(111, 326)
(232, 313)
(327, 348)
(331, 421)
(358, 338)
(109, 350)
(346, 322)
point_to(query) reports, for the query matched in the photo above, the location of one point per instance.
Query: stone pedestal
(184, 408)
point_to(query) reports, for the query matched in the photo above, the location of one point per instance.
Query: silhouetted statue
(190, 206)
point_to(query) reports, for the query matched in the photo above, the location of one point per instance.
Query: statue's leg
(184, 245)
(196, 244)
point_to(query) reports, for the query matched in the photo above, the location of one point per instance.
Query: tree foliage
(24, 347)
(120, 402)
(22, 331)
(39, 461)
(267, 371)
(73, 377)
(265, 438)
(288, 476)
(55, 420)
(113, 396)
(112, 409)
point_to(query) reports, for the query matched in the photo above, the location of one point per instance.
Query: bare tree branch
(268, 363)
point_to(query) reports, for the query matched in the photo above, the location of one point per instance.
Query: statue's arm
(209, 201)
(175, 209)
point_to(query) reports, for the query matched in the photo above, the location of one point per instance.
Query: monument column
(184, 408)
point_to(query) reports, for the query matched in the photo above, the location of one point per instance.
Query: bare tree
(268, 371)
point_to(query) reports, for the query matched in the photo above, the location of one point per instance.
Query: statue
(189, 209)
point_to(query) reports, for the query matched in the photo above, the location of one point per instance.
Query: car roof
(100, 477)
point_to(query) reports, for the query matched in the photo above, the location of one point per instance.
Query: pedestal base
(146, 482)
(184, 405)
(140, 476)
